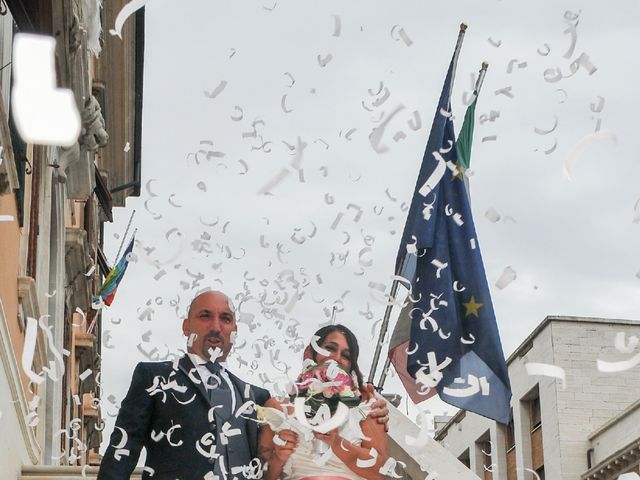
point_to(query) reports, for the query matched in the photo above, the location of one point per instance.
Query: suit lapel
(186, 366)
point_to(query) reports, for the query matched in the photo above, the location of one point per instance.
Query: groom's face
(210, 324)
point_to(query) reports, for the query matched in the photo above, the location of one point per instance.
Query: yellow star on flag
(472, 307)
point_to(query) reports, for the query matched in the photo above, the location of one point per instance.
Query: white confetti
(597, 108)
(127, 147)
(580, 148)
(318, 348)
(621, 366)
(337, 26)
(43, 113)
(435, 176)
(283, 104)
(629, 476)
(508, 275)
(84, 375)
(541, 131)
(389, 467)
(216, 91)
(368, 462)
(546, 51)
(546, 370)
(28, 351)
(126, 11)
(32, 419)
(506, 91)
(621, 344)
(6, 218)
(492, 215)
(323, 61)
(636, 212)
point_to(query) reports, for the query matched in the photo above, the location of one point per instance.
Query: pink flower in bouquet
(328, 380)
(327, 383)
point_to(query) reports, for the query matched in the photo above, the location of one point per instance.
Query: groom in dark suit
(195, 418)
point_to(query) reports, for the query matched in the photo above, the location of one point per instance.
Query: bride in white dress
(358, 449)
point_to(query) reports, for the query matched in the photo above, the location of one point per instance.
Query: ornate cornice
(615, 464)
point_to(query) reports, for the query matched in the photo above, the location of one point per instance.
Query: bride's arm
(270, 453)
(350, 453)
(379, 409)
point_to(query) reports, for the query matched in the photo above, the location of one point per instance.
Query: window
(535, 422)
(484, 451)
(534, 411)
(465, 459)
(509, 435)
(510, 447)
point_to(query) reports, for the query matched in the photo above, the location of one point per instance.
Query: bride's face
(336, 344)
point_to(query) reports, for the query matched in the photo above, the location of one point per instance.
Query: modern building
(53, 204)
(576, 417)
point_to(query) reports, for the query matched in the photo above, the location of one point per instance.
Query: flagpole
(481, 75)
(476, 93)
(124, 237)
(456, 54)
(394, 288)
(383, 330)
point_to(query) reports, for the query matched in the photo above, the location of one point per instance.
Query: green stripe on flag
(465, 137)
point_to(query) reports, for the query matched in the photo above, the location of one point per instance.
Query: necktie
(219, 391)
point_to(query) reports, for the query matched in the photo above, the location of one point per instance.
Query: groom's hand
(379, 409)
(287, 444)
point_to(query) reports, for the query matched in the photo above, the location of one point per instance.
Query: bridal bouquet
(325, 397)
(327, 384)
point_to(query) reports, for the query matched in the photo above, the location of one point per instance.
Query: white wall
(569, 415)
(17, 446)
(591, 398)
(617, 434)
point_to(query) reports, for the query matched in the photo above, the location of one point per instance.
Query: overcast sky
(246, 80)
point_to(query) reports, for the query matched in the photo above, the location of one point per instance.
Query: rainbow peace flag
(108, 290)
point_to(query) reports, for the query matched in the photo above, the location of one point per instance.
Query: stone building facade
(53, 204)
(582, 426)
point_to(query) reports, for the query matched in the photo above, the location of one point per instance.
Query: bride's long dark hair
(352, 342)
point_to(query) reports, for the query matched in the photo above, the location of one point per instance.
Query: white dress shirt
(205, 374)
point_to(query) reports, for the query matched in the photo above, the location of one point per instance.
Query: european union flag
(454, 345)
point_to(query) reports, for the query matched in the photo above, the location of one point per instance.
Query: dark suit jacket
(158, 399)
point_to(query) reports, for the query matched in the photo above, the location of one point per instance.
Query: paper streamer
(435, 176)
(128, 10)
(492, 215)
(508, 276)
(580, 148)
(318, 348)
(613, 367)
(30, 338)
(334, 422)
(629, 476)
(622, 345)
(368, 462)
(547, 370)
(636, 212)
